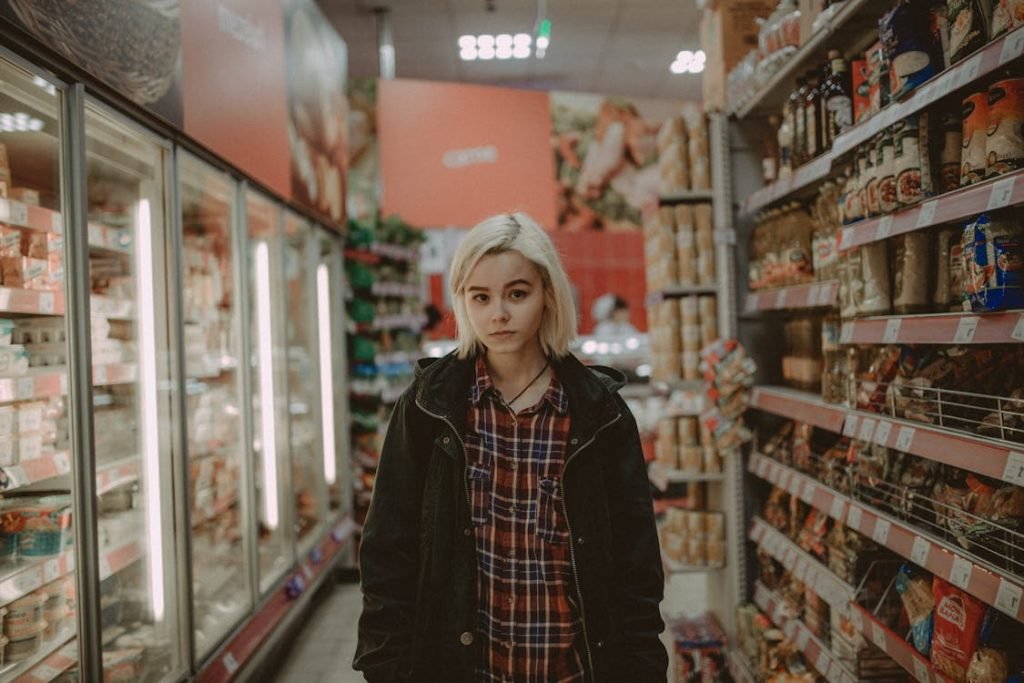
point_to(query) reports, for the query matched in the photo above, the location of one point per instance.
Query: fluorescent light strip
(504, 46)
(268, 428)
(150, 420)
(688, 62)
(323, 301)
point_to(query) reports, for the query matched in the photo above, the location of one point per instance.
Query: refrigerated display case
(215, 437)
(307, 490)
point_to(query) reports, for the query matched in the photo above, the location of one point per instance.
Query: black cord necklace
(532, 381)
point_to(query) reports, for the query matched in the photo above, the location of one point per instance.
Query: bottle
(796, 104)
(837, 100)
(812, 104)
(785, 136)
(770, 150)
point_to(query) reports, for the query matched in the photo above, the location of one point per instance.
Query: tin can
(975, 127)
(1004, 141)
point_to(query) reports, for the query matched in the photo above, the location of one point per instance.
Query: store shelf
(740, 668)
(958, 205)
(677, 291)
(992, 458)
(674, 567)
(938, 557)
(22, 580)
(54, 658)
(116, 474)
(34, 471)
(395, 252)
(804, 566)
(814, 651)
(663, 505)
(259, 630)
(685, 197)
(31, 301)
(395, 290)
(657, 474)
(802, 178)
(110, 307)
(809, 295)
(1005, 327)
(23, 215)
(219, 507)
(114, 373)
(899, 650)
(117, 559)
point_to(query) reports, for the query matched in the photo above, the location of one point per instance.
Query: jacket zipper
(458, 437)
(572, 551)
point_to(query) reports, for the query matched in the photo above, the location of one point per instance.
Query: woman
(511, 534)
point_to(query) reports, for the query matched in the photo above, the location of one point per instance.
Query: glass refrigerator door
(330, 301)
(37, 583)
(304, 388)
(221, 589)
(269, 386)
(134, 397)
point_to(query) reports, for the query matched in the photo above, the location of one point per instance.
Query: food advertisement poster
(134, 46)
(606, 159)
(239, 109)
(317, 67)
(363, 155)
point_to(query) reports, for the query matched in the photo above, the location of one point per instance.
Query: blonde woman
(511, 535)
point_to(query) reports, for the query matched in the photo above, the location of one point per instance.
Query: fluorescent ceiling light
(468, 54)
(19, 122)
(502, 46)
(521, 52)
(522, 39)
(486, 52)
(485, 40)
(688, 62)
(504, 52)
(467, 41)
(503, 40)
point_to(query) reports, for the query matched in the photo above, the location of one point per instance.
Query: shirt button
(466, 638)
(446, 439)
(514, 465)
(467, 531)
(511, 553)
(574, 441)
(579, 541)
(600, 644)
(511, 600)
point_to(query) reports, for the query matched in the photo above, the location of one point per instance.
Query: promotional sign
(454, 154)
(234, 84)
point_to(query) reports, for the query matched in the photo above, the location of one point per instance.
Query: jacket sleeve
(389, 552)
(638, 580)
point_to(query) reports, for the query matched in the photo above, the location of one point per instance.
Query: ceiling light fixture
(502, 46)
(19, 123)
(688, 62)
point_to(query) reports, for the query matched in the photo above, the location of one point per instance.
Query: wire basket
(134, 45)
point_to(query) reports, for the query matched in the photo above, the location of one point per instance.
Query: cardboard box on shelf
(728, 31)
(809, 11)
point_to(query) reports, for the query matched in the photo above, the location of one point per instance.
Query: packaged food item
(975, 127)
(958, 619)
(1004, 143)
(878, 77)
(875, 297)
(993, 256)
(41, 525)
(860, 74)
(888, 192)
(13, 360)
(943, 297)
(1006, 16)
(988, 665)
(24, 613)
(25, 643)
(907, 162)
(949, 157)
(968, 26)
(915, 590)
(915, 256)
(909, 46)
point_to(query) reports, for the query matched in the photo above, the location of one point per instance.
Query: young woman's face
(504, 298)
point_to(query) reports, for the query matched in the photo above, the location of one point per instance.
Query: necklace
(530, 384)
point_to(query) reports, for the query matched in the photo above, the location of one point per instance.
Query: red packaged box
(878, 77)
(861, 89)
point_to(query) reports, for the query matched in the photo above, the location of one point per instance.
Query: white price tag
(878, 636)
(1014, 470)
(960, 573)
(921, 671)
(51, 571)
(803, 636)
(846, 333)
(19, 214)
(794, 486)
(919, 553)
(835, 672)
(783, 482)
(801, 569)
(1018, 329)
(807, 494)
(857, 619)
(823, 662)
(969, 70)
(1008, 597)
(837, 509)
(1002, 193)
(850, 426)
(965, 330)
(905, 439)
(881, 533)
(780, 298)
(229, 662)
(789, 558)
(778, 614)
(26, 388)
(867, 429)
(105, 569)
(845, 239)
(99, 375)
(46, 303)
(1013, 47)
(891, 335)
(884, 228)
(926, 215)
(56, 223)
(761, 468)
(882, 432)
(814, 295)
(750, 305)
(853, 518)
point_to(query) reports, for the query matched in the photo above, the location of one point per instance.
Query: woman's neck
(515, 369)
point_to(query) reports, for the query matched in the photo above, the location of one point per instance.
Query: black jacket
(418, 555)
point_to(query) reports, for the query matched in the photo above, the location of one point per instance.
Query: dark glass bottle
(796, 106)
(812, 118)
(836, 100)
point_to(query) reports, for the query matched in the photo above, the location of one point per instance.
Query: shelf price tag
(857, 619)
(837, 509)
(780, 298)
(1008, 597)
(846, 333)
(807, 494)
(823, 662)
(926, 216)
(1018, 329)
(789, 558)
(884, 228)
(969, 70)
(803, 636)
(965, 330)
(853, 518)
(878, 636)
(881, 533)
(1013, 47)
(882, 432)
(750, 305)
(26, 388)
(47, 301)
(919, 553)
(19, 214)
(1014, 470)
(801, 569)
(229, 662)
(845, 239)
(1002, 193)
(905, 439)
(794, 486)
(850, 426)
(783, 482)
(960, 573)
(867, 429)
(921, 671)
(891, 335)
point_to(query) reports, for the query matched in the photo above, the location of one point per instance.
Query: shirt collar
(482, 385)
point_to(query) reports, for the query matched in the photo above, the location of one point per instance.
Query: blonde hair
(515, 232)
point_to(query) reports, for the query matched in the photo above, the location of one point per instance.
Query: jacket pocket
(480, 493)
(551, 526)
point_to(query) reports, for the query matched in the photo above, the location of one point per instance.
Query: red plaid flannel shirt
(528, 619)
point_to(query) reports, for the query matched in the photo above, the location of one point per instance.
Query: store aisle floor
(322, 650)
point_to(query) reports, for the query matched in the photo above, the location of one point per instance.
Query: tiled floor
(322, 652)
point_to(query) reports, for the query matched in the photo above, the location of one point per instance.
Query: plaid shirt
(531, 630)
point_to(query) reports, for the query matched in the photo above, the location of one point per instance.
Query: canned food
(1004, 141)
(975, 126)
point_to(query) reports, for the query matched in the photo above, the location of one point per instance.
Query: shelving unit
(1004, 327)
(811, 295)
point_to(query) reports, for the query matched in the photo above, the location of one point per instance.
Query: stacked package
(729, 373)
(684, 162)
(693, 538)
(679, 247)
(681, 328)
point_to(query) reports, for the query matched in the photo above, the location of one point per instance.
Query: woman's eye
(518, 294)
(480, 298)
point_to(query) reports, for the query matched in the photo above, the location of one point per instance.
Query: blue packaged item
(919, 606)
(993, 254)
(909, 45)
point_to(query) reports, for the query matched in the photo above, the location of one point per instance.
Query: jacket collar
(445, 384)
(483, 385)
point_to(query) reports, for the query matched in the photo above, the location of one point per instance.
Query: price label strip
(878, 637)
(884, 228)
(960, 573)
(1013, 47)
(807, 494)
(838, 509)
(1014, 470)
(881, 533)
(1008, 597)
(921, 670)
(920, 550)
(926, 215)
(965, 330)
(1002, 193)
(850, 426)
(891, 335)
(882, 432)
(905, 439)
(780, 298)
(1018, 329)
(853, 518)
(867, 429)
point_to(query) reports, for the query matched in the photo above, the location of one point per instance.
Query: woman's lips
(505, 333)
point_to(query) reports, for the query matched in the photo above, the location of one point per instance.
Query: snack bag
(958, 620)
